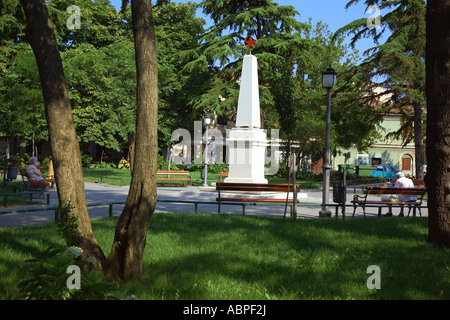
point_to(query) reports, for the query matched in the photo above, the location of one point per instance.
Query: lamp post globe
(329, 78)
(328, 81)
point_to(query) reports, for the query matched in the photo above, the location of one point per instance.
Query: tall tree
(352, 121)
(177, 29)
(438, 119)
(62, 135)
(398, 65)
(125, 260)
(222, 48)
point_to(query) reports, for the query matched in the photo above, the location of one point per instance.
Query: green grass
(110, 176)
(203, 256)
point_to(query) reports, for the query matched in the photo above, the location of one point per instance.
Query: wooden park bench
(361, 200)
(172, 175)
(261, 190)
(32, 187)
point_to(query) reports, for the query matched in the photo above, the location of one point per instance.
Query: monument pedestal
(246, 155)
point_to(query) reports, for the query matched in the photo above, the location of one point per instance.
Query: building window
(362, 160)
(376, 161)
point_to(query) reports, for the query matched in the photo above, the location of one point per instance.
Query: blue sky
(331, 12)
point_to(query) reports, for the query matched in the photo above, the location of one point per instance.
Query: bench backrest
(390, 190)
(275, 187)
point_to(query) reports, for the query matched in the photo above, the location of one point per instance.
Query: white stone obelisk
(247, 142)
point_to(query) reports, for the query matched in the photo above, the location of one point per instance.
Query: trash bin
(339, 192)
(12, 172)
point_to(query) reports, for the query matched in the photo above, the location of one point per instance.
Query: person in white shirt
(403, 182)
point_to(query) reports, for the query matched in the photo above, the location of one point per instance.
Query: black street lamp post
(328, 80)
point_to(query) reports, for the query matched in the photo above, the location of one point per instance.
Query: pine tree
(222, 48)
(398, 65)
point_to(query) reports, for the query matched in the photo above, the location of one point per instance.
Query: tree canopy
(198, 72)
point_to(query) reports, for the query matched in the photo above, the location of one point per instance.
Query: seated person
(403, 182)
(35, 175)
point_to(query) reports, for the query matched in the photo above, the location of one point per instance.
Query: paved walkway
(309, 207)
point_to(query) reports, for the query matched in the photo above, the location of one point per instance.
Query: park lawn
(205, 256)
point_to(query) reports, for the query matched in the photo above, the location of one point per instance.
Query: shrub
(47, 278)
(103, 165)
(123, 164)
(218, 168)
(85, 160)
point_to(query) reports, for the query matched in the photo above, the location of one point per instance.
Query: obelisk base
(246, 155)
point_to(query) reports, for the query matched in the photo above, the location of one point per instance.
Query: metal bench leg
(409, 211)
(354, 210)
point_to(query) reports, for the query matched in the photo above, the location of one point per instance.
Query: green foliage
(67, 224)
(177, 29)
(222, 47)
(47, 277)
(22, 111)
(102, 92)
(163, 164)
(218, 168)
(102, 165)
(398, 65)
(85, 160)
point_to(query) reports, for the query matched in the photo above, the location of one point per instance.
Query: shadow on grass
(18, 245)
(204, 256)
(265, 258)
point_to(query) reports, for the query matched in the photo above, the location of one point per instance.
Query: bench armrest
(358, 197)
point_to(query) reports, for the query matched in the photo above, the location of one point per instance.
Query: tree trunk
(125, 260)
(131, 150)
(418, 140)
(438, 120)
(63, 140)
